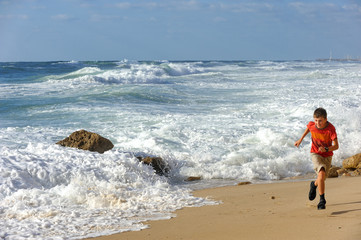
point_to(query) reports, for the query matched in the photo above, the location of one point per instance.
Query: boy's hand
(322, 149)
(298, 142)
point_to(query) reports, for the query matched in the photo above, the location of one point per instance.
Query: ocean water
(221, 121)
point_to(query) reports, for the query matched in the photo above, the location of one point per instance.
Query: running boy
(324, 142)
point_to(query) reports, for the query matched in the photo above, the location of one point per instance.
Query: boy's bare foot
(312, 193)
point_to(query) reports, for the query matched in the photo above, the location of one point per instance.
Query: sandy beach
(279, 210)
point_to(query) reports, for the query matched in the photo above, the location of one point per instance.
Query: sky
(79, 30)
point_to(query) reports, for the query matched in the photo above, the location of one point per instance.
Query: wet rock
(157, 163)
(352, 162)
(85, 140)
(357, 172)
(189, 179)
(342, 171)
(243, 183)
(332, 173)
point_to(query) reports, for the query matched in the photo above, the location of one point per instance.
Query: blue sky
(45, 30)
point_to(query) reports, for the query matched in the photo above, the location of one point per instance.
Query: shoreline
(277, 210)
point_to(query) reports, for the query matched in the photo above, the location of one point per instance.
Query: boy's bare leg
(320, 181)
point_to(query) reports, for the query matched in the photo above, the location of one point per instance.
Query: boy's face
(320, 122)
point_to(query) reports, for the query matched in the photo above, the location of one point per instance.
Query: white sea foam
(126, 73)
(49, 191)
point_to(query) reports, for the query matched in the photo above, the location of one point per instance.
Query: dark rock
(189, 179)
(157, 163)
(87, 141)
(243, 183)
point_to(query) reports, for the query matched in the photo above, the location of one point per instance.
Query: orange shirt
(322, 138)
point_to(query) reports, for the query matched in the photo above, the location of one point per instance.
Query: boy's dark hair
(320, 112)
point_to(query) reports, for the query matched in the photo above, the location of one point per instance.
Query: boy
(324, 142)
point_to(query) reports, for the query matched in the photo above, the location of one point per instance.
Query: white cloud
(62, 17)
(326, 11)
(242, 7)
(191, 5)
(124, 5)
(312, 8)
(98, 17)
(352, 8)
(250, 7)
(153, 19)
(186, 5)
(168, 5)
(219, 19)
(14, 17)
(5, 2)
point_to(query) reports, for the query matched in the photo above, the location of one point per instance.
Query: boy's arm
(298, 142)
(334, 146)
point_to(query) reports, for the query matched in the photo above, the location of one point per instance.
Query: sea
(222, 121)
